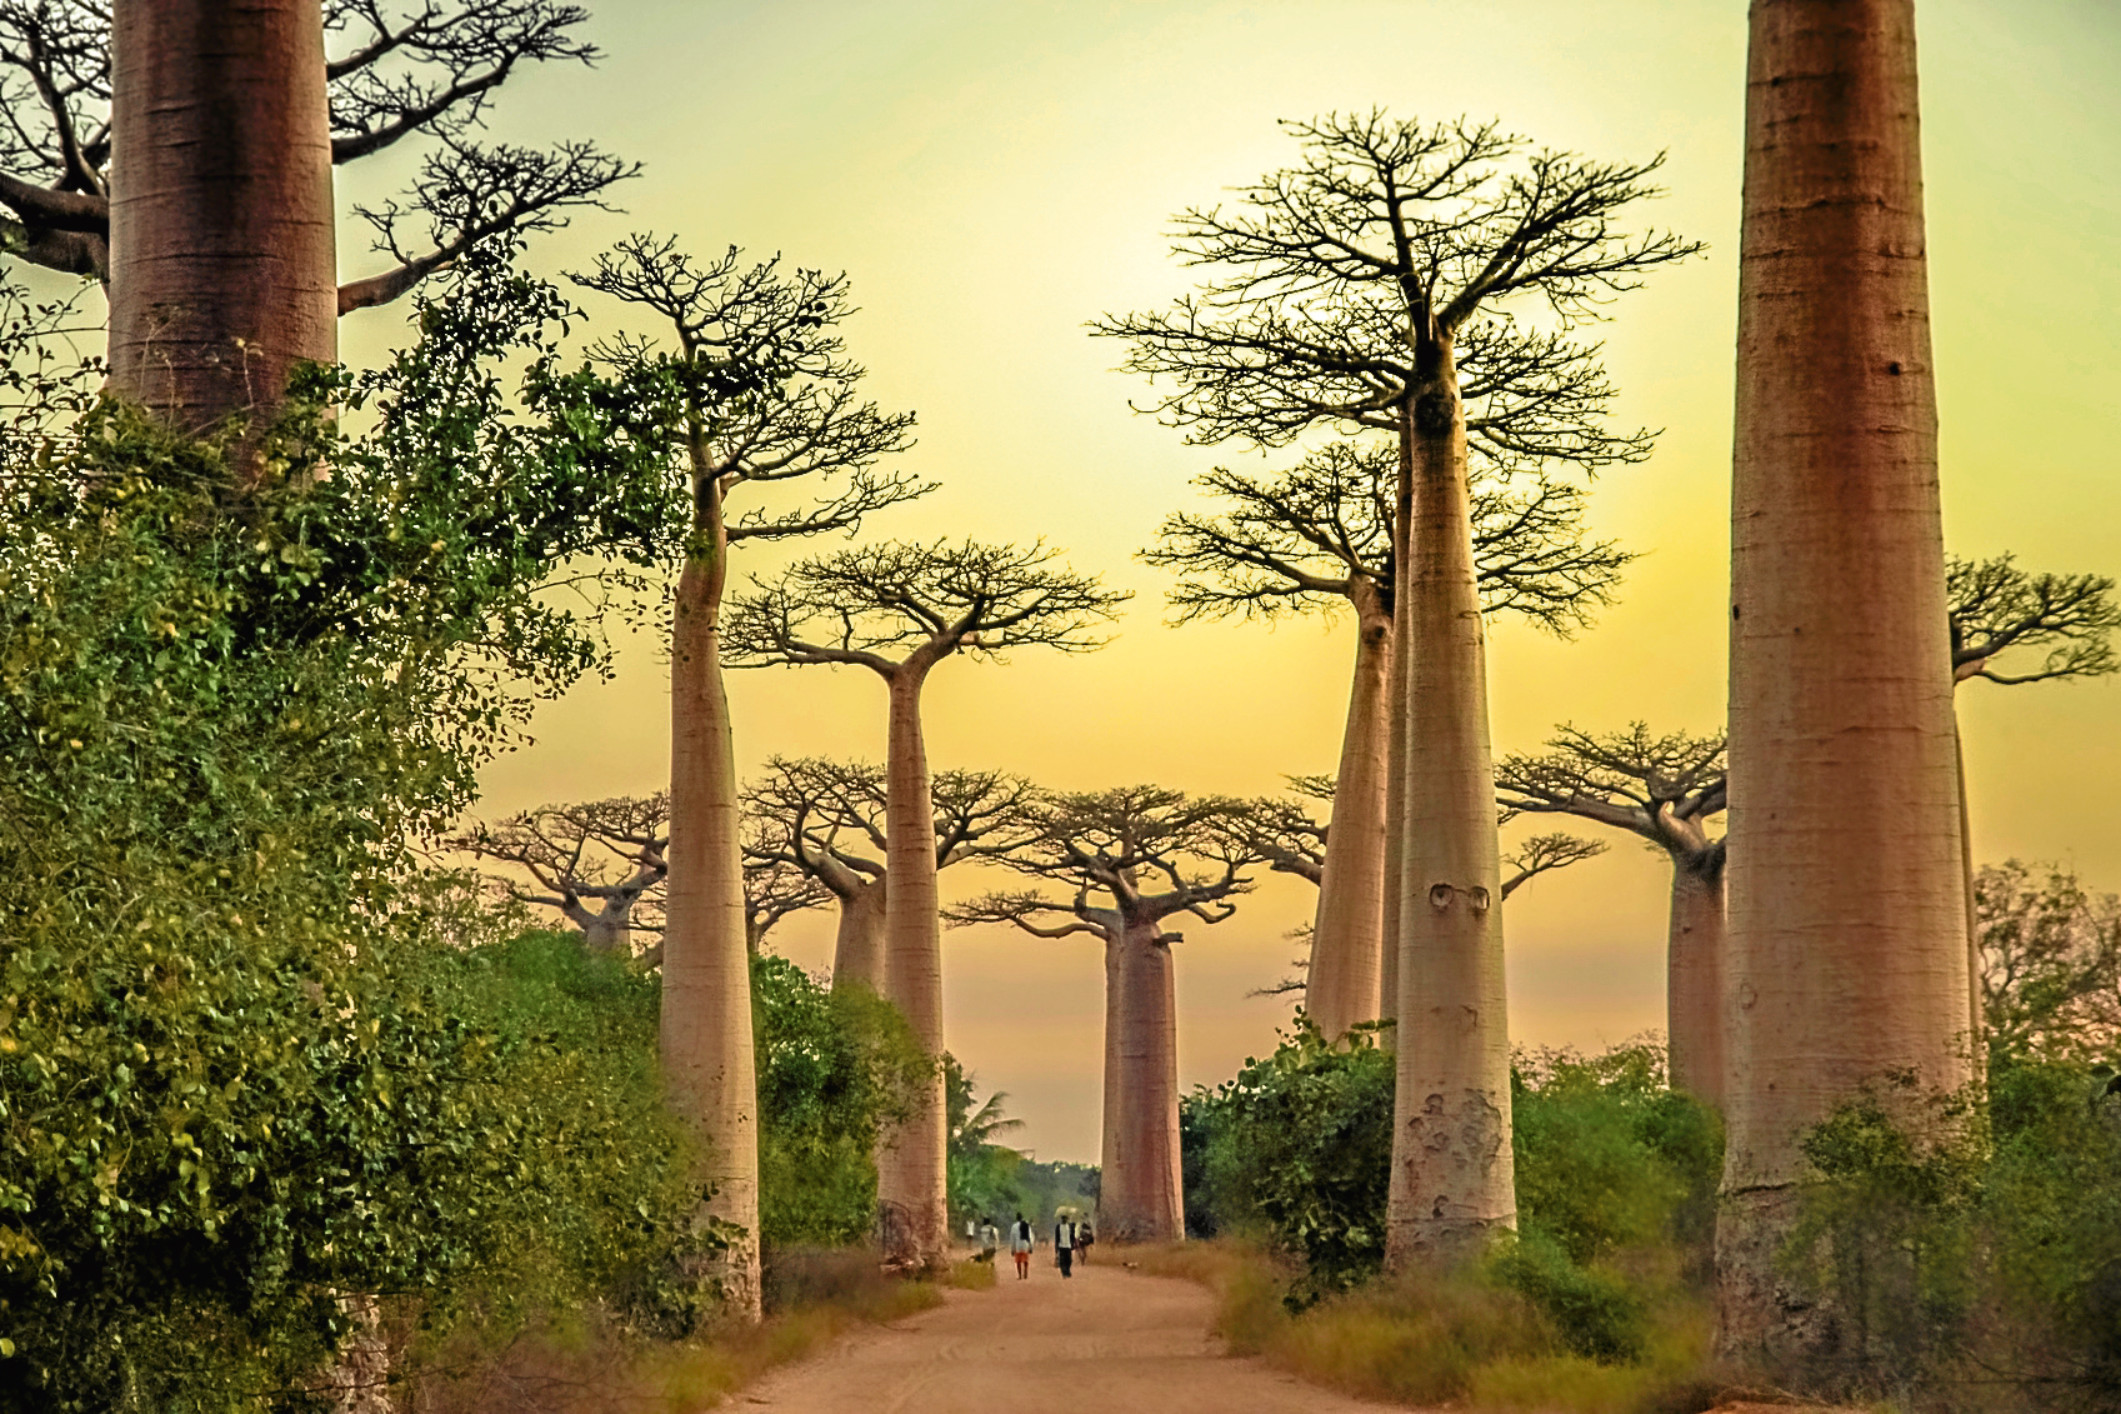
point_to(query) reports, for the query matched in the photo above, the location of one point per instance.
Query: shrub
(833, 1069)
(1976, 1271)
(1299, 1147)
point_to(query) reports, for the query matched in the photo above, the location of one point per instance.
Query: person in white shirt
(1020, 1246)
(1064, 1245)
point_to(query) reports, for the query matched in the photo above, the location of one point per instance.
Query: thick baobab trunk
(708, 1067)
(1142, 1189)
(858, 945)
(1847, 909)
(222, 265)
(609, 934)
(912, 1191)
(1453, 1176)
(1343, 987)
(1694, 977)
(1113, 1197)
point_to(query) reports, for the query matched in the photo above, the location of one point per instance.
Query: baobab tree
(1320, 537)
(2011, 627)
(826, 819)
(1293, 841)
(1134, 859)
(1846, 882)
(1665, 789)
(766, 396)
(601, 864)
(899, 610)
(773, 890)
(214, 232)
(1374, 285)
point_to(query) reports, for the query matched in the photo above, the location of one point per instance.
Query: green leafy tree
(983, 1174)
(250, 1061)
(833, 1068)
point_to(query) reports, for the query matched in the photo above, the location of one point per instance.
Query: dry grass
(585, 1366)
(1466, 1343)
(970, 1275)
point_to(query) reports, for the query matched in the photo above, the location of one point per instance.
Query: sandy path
(1106, 1342)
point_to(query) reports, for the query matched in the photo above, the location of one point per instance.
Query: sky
(994, 175)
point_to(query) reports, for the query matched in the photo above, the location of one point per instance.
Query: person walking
(1064, 1245)
(1084, 1236)
(990, 1239)
(1020, 1246)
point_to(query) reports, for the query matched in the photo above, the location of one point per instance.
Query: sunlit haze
(992, 176)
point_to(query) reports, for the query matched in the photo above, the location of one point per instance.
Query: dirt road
(1106, 1342)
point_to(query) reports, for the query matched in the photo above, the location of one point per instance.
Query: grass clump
(1596, 1304)
(588, 1364)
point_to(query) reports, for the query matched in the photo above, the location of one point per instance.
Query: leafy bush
(833, 1069)
(1609, 1158)
(1298, 1147)
(253, 1059)
(1297, 1150)
(1980, 1270)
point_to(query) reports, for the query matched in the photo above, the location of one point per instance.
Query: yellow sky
(995, 174)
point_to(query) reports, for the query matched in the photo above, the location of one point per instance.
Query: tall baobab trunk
(1114, 1200)
(1453, 1175)
(1141, 1194)
(609, 934)
(222, 265)
(1397, 745)
(1694, 978)
(1344, 986)
(1847, 909)
(912, 1181)
(858, 943)
(1976, 1011)
(708, 1065)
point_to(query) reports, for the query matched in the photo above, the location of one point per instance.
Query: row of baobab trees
(1122, 867)
(1417, 289)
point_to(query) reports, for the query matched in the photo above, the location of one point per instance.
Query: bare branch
(2001, 611)
(1664, 789)
(1542, 854)
(895, 605)
(1386, 237)
(1310, 536)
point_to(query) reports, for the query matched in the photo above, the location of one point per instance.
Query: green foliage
(1048, 1186)
(2050, 965)
(1299, 1145)
(1611, 1165)
(250, 1056)
(1978, 1267)
(833, 1068)
(1608, 1158)
(982, 1174)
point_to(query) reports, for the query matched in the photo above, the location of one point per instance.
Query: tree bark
(1397, 748)
(222, 265)
(1976, 1019)
(1453, 1175)
(912, 1191)
(858, 945)
(1141, 1189)
(1114, 1151)
(608, 934)
(708, 1066)
(1846, 880)
(1694, 978)
(1343, 987)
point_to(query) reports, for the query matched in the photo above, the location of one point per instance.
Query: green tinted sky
(994, 174)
